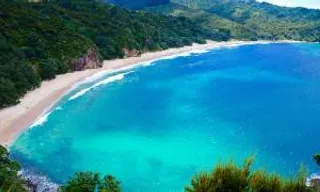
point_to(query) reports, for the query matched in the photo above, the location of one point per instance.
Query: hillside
(40, 40)
(138, 4)
(248, 19)
(211, 22)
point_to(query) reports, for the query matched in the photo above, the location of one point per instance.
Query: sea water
(153, 127)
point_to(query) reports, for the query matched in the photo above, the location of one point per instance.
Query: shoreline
(16, 119)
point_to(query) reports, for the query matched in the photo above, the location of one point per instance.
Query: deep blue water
(153, 127)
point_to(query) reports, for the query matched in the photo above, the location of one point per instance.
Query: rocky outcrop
(313, 181)
(38, 183)
(131, 52)
(88, 61)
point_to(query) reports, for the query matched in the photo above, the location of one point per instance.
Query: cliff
(88, 61)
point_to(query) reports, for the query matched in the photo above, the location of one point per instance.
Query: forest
(247, 19)
(40, 40)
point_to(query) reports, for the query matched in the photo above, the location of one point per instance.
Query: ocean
(156, 125)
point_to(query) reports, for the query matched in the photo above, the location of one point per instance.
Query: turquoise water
(155, 126)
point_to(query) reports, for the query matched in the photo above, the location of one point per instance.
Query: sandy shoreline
(14, 120)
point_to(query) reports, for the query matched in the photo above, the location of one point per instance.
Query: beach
(14, 120)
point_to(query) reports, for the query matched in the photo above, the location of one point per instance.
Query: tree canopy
(248, 19)
(89, 182)
(40, 40)
(9, 179)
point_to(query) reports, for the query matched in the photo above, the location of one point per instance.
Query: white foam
(41, 120)
(96, 76)
(90, 79)
(186, 54)
(315, 176)
(59, 108)
(117, 77)
(40, 182)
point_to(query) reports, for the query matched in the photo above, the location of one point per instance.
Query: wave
(59, 108)
(186, 54)
(108, 80)
(90, 79)
(96, 76)
(205, 50)
(41, 120)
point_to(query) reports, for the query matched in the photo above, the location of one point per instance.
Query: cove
(154, 127)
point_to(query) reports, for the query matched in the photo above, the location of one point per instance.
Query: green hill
(248, 19)
(40, 40)
(136, 4)
(211, 22)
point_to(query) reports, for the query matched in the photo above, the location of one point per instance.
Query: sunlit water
(153, 127)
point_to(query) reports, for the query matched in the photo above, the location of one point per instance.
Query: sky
(296, 3)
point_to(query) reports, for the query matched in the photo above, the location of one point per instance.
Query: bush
(48, 68)
(261, 181)
(230, 177)
(9, 179)
(90, 182)
(8, 93)
(316, 158)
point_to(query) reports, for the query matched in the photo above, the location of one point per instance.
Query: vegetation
(87, 182)
(316, 158)
(9, 179)
(248, 19)
(136, 4)
(40, 40)
(224, 177)
(230, 177)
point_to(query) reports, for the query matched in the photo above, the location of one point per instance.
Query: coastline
(16, 119)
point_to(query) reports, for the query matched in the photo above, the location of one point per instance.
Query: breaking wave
(108, 80)
(41, 120)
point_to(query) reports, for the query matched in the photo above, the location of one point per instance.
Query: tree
(316, 158)
(109, 184)
(48, 68)
(8, 93)
(9, 179)
(90, 182)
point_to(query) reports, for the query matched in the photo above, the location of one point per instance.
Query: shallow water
(155, 126)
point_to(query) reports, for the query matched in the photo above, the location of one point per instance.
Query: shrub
(90, 182)
(230, 177)
(8, 93)
(48, 68)
(316, 158)
(9, 179)
(261, 181)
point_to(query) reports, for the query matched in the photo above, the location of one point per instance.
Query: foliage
(16, 74)
(248, 19)
(9, 179)
(316, 158)
(40, 40)
(48, 68)
(89, 182)
(230, 177)
(224, 177)
(8, 92)
(136, 4)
